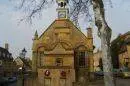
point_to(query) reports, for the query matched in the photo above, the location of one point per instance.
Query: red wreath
(47, 73)
(63, 73)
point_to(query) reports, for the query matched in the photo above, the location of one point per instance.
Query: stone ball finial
(62, 3)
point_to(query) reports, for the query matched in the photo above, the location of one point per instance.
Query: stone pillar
(34, 62)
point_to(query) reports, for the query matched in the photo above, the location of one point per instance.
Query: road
(16, 83)
(119, 82)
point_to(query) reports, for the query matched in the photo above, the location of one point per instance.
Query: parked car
(125, 73)
(116, 72)
(12, 79)
(99, 74)
(3, 80)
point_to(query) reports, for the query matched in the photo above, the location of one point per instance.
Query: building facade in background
(120, 51)
(62, 55)
(97, 57)
(7, 65)
(124, 52)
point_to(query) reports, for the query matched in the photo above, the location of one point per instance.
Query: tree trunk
(104, 33)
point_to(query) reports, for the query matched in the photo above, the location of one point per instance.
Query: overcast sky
(20, 36)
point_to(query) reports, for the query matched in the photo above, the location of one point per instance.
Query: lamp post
(22, 70)
(23, 53)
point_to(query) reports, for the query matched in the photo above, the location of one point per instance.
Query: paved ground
(119, 82)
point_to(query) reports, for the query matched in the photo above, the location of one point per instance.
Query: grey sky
(21, 36)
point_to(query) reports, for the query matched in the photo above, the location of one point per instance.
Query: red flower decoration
(63, 73)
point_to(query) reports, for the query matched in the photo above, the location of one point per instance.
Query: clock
(62, 14)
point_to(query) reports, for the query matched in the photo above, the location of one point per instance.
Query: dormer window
(7, 55)
(3, 54)
(10, 56)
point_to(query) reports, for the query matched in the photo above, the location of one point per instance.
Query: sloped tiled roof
(26, 62)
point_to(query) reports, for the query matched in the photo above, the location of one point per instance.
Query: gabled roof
(62, 31)
(26, 62)
(122, 37)
(65, 23)
(23, 61)
(3, 50)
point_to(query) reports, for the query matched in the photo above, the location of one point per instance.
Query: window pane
(81, 58)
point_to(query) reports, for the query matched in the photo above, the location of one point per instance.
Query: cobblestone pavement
(119, 82)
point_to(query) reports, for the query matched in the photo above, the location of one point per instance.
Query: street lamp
(22, 70)
(24, 52)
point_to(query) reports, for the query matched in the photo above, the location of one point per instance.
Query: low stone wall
(31, 82)
(27, 80)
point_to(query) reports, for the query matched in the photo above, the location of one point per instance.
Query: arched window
(40, 58)
(81, 56)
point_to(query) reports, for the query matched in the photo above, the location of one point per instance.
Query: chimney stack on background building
(6, 46)
(89, 33)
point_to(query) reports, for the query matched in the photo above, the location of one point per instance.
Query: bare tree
(105, 36)
(78, 7)
(104, 32)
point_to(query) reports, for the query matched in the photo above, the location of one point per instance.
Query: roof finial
(36, 35)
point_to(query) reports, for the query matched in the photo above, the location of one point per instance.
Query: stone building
(124, 52)
(62, 55)
(120, 48)
(97, 57)
(7, 65)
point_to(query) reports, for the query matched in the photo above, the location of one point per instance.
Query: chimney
(89, 33)
(6, 46)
